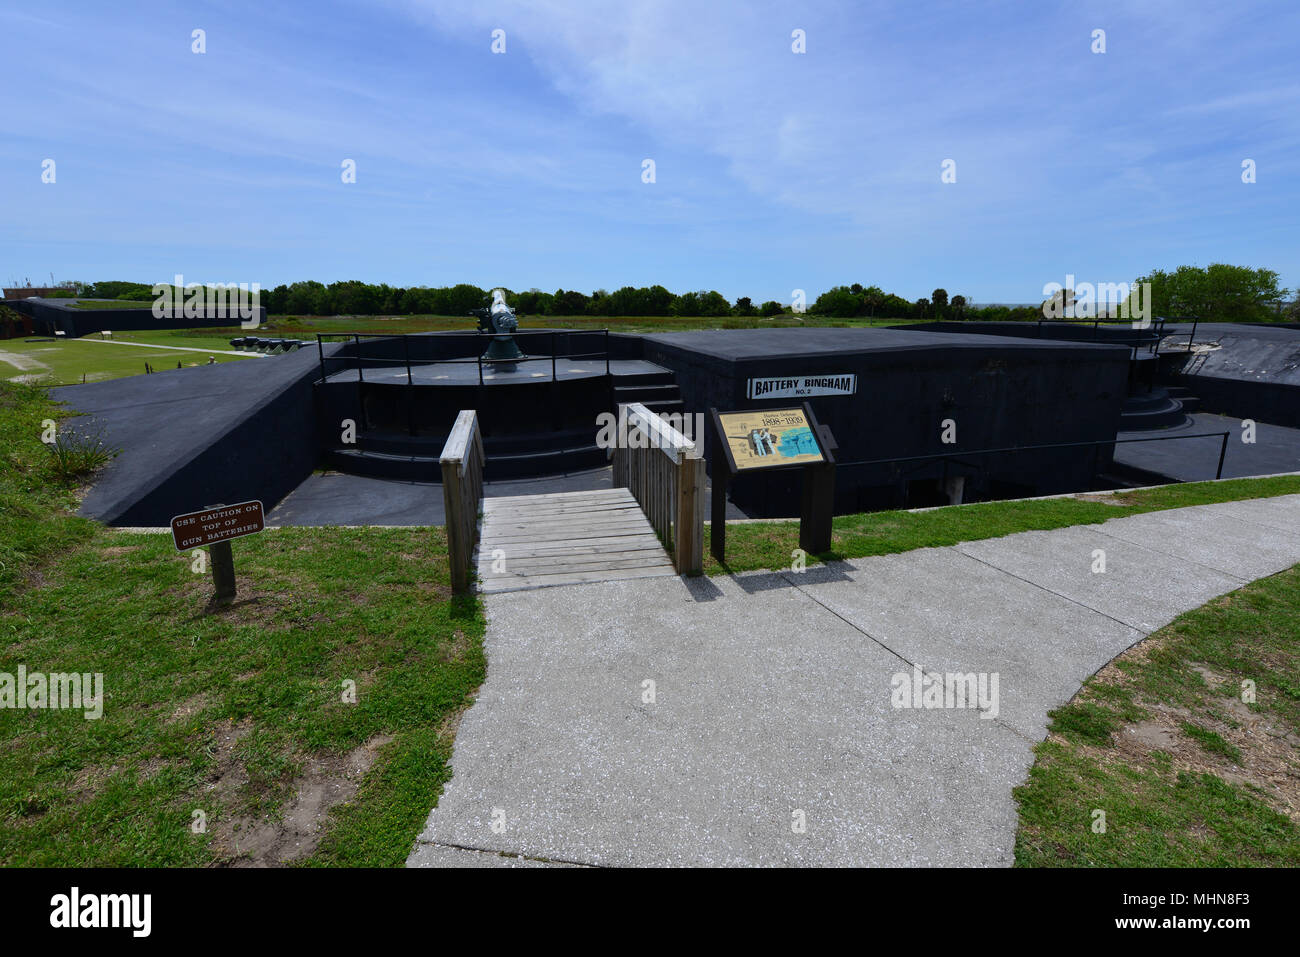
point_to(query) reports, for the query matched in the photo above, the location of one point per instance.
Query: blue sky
(774, 170)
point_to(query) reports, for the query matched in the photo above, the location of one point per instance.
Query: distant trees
(840, 302)
(702, 303)
(856, 301)
(134, 291)
(571, 303)
(1215, 293)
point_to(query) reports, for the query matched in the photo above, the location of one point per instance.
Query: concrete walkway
(771, 704)
(151, 345)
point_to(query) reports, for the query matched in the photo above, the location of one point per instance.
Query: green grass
(112, 304)
(71, 361)
(1213, 791)
(35, 504)
(770, 545)
(226, 711)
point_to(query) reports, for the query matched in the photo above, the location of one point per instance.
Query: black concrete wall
(193, 437)
(50, 316)
(1277, 403)
(443, 346)
(504, 409)
(1000, 393)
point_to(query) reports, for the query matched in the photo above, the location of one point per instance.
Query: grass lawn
(67, 361)
(1187, 772)
(111, 304)
(238, 713)
(759, 545)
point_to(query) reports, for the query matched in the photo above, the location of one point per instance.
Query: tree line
(1217, 292)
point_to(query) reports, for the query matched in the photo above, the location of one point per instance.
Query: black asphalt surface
(1276, 449)
(332, 498)
(784, 343)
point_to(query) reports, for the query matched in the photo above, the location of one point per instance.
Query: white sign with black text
(800, 387)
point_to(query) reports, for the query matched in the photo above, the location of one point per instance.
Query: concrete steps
(1156, 409)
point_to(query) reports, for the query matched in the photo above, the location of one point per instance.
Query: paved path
(772, 697)
(151, 345)
(564, 538)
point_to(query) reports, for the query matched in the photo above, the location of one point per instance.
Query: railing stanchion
(552, 355)
(1223, 451)
(606, 352)
(320, 349)
(410, 388)
(357, 341)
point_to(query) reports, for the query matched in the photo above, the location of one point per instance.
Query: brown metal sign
(219, 524)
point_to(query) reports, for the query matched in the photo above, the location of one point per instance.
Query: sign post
(215, 527)
(223, 570)
(785, 438)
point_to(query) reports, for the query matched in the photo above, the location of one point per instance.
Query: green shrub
(76, 454)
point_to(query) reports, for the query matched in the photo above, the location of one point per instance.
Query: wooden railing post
(665, 474)
(462, 493)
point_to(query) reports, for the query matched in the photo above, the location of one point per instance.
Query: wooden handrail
(462, 494)
(664, 471)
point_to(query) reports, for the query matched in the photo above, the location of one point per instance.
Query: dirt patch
(248, 606)
(114, 550)
(454, 650)
(21, 362)
(1269, 760)
(228, 774)
(189, 707)
(327, 781)
(1103, 498)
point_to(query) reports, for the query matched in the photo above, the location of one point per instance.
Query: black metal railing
(483, 338)
(1146, 337)
(1194, 320)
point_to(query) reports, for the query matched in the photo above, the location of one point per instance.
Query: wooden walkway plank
(563, 538)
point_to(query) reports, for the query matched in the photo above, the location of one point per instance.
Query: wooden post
(720, 472)
(818, 508)
(223, 571)
(688, 547)
(462, 490)
(817, 514)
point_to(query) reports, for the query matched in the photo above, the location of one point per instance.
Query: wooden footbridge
(650, 524)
